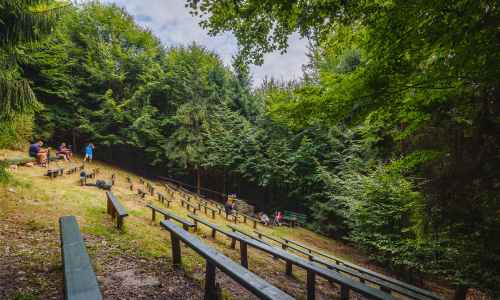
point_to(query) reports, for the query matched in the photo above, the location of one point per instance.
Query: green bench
(80, 282)
(294, 218)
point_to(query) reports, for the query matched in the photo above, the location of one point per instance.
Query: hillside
(135, 263)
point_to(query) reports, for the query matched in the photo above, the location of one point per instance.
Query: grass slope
(134, 264)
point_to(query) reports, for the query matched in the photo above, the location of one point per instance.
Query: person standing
(89, 152)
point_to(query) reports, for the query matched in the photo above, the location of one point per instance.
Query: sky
(171, 22)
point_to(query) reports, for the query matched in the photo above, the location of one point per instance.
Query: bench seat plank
(120, 210)
(80, 282)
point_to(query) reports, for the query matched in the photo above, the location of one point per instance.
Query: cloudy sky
(172, 23)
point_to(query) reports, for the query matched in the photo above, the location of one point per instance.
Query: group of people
(277, 220)
(42, 155)
(230, 209)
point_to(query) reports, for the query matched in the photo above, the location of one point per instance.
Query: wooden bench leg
(176, 250)
(108, 207)
(311, 281)
(243, 253)
(254, 224)
(153, 214)
(233, 243)
(344, 292)
(213, 233)
(288, 268)
(119, 222)
(213, 214)
(210, 286)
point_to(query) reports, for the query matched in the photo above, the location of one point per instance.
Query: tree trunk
(198, 181)
(460, 292)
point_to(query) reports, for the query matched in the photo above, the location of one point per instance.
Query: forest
(390, 141)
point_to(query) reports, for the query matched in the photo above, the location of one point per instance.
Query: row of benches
(331, 273)
(80, 282)
(384, 282)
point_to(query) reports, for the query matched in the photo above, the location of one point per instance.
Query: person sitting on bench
(65, 152)
(228, 207)
(278, 216)
(39, 153)
(264, 218)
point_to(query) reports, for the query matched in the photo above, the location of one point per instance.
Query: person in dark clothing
(228, 207)
(39, 153)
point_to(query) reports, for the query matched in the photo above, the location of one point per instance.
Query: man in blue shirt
(39, 153)
(89, 152)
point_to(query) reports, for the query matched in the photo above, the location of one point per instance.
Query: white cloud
(171, 22)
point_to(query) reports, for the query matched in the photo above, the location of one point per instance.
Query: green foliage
(391, 141)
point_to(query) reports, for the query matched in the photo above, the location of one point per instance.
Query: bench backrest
(210, 225)
(80, 282)
(171, 215)
(238, 273)
(120, 210)
(299, 217)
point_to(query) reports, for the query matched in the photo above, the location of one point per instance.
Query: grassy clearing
(35, 203)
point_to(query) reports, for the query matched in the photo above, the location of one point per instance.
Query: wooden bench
(216, 260)
(186, 224)
(163, 199)
(141, 193)
(72, 170)
(254, 220)
(207, 209)
(116, 209)
(214, 229)
(311, 268)
(53, 173)
(189, 206)
(80, 282)
(18, 161)
(385, 283)
(294, 218)
(234, 217)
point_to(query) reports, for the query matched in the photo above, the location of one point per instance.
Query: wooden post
(288, 268)
(243, 253)
(210, 287)
(233, 243)
(119, 222)
(311, 280)
(254, 224)
(176, 250)
(213, 214)
(344, 292)
(213, 233)
(154, 214)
